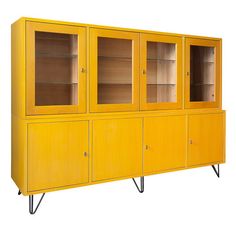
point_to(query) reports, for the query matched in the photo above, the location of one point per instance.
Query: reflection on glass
(202, 76)
(161, 72)
(56, 69)
(114, 71)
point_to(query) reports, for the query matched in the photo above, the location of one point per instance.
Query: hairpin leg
(141, 189)
(217, 171)
(31, 204)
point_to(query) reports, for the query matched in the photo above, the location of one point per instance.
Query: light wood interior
(161, 72)
(56, 69)
(202, 73)
(114, 71)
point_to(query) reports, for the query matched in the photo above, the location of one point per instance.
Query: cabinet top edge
(25, 19)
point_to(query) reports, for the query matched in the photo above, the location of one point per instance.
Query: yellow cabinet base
(64, 152)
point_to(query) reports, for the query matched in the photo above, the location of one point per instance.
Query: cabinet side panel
(18, 68)
(19, 132)
(19, 154)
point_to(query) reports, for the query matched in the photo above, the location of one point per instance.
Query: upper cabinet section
(161, 72)
(203, 73)
(69, 68)
(56, 61)
(114, 66)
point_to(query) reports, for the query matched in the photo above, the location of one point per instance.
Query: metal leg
(31, 204)
(217, 171)
(19, 192)
(141, 190)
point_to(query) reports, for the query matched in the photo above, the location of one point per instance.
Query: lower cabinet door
(206, 139)
(164, 143)
(117, 148)
(57, 154)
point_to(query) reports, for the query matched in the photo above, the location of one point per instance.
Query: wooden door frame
(144, 38)
(217, 44)
(31, 108)
(116, 34)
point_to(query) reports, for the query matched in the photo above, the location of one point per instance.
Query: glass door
(56, 79)
(203, 73)
(161, 72)
(114, 84)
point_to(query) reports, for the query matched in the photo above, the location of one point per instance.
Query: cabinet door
(165, 141)
(114, 61)
(55, 68)
(161, 72)
(117, 148)
(206, 139)
(203, 73)
(57, 154)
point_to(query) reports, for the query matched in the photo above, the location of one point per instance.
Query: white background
(191, 202)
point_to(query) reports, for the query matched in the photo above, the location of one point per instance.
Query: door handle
(82, 70)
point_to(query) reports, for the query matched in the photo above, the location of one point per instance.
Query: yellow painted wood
(206, 141)
(19, 153)
(114, 140)
(18, 68)
(144, 38)
(94, 106)
(57, 154)
(31, 28)
(116, 148)
(165, 141)
(218, 86)
(110, 27)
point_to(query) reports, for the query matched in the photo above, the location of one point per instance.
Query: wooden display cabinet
(92, 104)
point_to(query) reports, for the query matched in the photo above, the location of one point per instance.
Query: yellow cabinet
(88, 104)
(57, 154)
(117, 148)
(55, 68)
(206, 139)
(165, 141)
(202, 73)
(114, 59)
(161, 72)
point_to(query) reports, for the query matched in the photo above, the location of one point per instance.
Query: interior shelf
(161, 59)
(162, 84)
(55, 55)
(114, 93)
(202, 84)
(56, 82)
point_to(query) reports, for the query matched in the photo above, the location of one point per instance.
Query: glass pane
(161, 72)
(202, 76)
(56, 69)
(114, 71)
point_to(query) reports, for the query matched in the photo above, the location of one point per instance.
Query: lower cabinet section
(116, 148)
(57, 154)
(206, 139)
(72, 153)
(165, 141)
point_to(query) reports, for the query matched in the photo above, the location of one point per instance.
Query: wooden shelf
(55, 55)
(114, 93)
(56, 82)
(56, 94)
